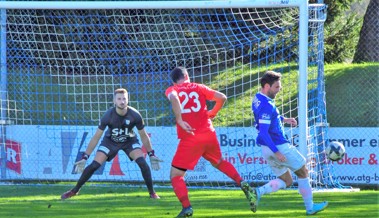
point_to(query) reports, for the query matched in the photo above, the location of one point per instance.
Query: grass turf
(94, 201)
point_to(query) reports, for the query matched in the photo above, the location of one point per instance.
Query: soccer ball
(335, 151)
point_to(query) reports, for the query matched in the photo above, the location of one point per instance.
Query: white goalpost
(61, 62)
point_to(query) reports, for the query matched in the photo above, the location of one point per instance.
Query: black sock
(86, 175)
(146, 173)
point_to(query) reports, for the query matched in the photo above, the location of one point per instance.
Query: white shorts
(294, 160)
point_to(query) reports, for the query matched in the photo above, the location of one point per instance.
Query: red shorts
(192, 148)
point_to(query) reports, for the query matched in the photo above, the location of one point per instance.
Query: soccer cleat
(68, 194)
(154, 196)
(317, 208)
(251, 195)
(186, 212)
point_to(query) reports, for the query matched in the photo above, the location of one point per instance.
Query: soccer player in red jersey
(197, 136)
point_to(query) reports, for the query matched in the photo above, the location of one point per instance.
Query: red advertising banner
(13, 154)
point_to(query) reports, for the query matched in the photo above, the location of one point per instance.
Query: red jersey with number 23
(193, 98)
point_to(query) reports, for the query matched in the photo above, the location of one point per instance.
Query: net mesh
(63, 66)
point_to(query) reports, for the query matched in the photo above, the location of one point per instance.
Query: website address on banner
(363, 178)
(348, 179)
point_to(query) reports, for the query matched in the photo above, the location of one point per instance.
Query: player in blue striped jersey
(276, 149)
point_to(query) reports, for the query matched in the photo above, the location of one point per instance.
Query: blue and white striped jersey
(268, 122)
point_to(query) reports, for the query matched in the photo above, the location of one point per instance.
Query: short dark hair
(270, 77)
(178, 73)
(120, 91)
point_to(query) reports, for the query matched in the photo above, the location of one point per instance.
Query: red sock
(229, 170)
(181, 191)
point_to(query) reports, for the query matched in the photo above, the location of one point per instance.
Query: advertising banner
(49, 153)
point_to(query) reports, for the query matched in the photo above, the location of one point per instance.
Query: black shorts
(111, 150)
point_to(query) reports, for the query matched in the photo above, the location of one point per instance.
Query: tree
(341, 33)
(368, 45)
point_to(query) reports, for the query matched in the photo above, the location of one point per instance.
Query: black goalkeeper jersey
(120, 128)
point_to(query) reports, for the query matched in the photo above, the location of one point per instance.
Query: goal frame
(77, 5)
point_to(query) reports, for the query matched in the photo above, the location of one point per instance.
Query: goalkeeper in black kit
(120, 120)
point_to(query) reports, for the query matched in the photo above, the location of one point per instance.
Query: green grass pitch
(119, 201)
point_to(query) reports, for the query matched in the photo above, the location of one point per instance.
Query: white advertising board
(48, 153)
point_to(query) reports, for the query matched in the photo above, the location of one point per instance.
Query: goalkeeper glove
(79, 165)
(154, 160)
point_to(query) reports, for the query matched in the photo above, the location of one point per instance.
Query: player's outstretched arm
(145, 139)
(94, 140)
(176, 107)
(291, 121)
(154, 160)
(220, 100)
(81, 164)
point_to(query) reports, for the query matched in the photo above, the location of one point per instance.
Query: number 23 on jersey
(190, 103)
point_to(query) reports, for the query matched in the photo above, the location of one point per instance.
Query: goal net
(61, 66)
